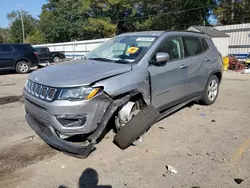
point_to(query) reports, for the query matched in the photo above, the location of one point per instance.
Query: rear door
(169, 81)
(6, 56)
(44, 54)
(197, 55)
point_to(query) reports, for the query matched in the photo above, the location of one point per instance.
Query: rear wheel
(56, 59)
(211, 91)
(22, 67)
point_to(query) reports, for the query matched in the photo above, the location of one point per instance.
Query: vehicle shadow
(4, 72)
(8, 72)
(88, 179)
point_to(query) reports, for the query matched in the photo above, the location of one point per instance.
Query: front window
(122, 49)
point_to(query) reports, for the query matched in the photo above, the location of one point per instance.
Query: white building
(74, 49)
(220, 39)
(239, 40)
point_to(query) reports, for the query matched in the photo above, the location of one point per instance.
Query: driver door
(169, 80)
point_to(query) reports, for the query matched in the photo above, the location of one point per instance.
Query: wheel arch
(134, 95)
(55, 55)
(217, 73)
(21, 59)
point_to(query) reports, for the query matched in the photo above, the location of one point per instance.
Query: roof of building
(210, 31)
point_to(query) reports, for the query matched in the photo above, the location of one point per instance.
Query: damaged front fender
(49, 135)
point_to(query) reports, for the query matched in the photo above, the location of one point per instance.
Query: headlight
(78, 93)
(26, 84)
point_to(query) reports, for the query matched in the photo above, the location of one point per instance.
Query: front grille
(39, 91)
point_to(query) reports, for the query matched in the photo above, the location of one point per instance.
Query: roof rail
(186, 31)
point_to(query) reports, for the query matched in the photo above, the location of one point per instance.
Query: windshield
(122, 49)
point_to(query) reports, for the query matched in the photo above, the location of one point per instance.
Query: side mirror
(162, 57)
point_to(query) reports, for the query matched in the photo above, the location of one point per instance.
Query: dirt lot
(209, 147)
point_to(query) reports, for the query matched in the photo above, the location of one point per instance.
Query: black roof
(210, 31)
(15, 44)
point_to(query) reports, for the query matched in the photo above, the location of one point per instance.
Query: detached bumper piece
(49, 135)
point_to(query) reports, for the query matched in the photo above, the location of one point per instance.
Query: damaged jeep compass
(134, 79)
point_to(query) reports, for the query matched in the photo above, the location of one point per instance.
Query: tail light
(36, 54)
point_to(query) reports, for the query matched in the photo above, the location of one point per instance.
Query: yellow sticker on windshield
(132, 50)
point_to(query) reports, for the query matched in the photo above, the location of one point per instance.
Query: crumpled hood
(77, 73)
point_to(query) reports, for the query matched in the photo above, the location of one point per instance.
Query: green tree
(177, 14)
(119, 13)
(63, 20)
(233, 11)
(36, 37)
(4, 35)
(66, 20)
(30, 25)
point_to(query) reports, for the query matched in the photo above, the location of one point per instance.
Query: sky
(34, 7)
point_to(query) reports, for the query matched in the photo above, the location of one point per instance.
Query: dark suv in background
(19, 57)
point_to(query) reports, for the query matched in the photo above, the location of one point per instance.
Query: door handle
(207, 60)
(183, 66)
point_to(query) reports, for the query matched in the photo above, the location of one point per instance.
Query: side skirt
(170, 111)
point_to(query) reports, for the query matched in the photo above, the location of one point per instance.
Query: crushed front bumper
(68, 117)
(48, 133)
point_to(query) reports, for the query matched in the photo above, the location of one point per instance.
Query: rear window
(204, 44)
(193, 46)
(43, 50)
(5, 48)
(25, 47)
(31, 48)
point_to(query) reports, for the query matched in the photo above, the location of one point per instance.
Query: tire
(138, 125)
(22, 67)
(56, 59)
(207, 99)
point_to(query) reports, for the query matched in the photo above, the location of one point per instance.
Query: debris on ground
(213, 121)
(246, 71)
(63, 166)
(235, 64)
(164, 175)
(203, 114)
(189, 155)
(238, 180)
(161, 128)
(171, 169)
(30, 137)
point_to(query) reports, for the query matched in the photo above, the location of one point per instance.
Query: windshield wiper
(124, 61)
(101, 59)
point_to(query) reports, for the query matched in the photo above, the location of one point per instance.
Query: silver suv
(132, 80)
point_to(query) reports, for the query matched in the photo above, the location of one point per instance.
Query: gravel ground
(208, 146)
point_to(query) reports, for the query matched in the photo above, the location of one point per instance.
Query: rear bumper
(34, 62)
(49, 59)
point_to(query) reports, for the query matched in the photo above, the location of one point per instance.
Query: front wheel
(211, 91)
(22, 67)
(136, 126)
